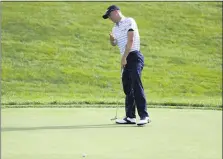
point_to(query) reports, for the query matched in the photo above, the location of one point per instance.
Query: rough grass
(59, 52)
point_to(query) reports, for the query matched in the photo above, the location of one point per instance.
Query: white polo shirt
(120, 32)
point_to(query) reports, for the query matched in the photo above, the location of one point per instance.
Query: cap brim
(105, 16)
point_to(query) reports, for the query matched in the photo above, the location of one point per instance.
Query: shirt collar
(122, 19)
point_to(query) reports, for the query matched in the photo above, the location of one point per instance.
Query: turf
(69, 133)
(59, 52)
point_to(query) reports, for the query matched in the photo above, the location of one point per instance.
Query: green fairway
(59, 52)
(69, 133)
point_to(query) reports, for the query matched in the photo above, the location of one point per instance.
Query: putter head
(114, 118)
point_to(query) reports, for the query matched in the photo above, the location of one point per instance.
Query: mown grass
(69, 133)
(59, 52)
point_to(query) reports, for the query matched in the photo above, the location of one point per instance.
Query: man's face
(113, 16)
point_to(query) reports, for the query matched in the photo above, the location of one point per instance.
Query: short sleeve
(131, 25)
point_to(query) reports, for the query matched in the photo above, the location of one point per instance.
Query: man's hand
(112, 39)
(123, 61)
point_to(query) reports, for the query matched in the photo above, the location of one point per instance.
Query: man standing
(125, 34)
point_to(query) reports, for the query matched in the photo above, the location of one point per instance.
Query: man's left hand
(123, 61)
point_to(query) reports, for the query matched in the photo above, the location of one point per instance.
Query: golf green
(74, 133)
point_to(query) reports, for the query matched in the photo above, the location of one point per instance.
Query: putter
(116, 112)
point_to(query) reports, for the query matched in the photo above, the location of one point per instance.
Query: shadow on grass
(100, 126)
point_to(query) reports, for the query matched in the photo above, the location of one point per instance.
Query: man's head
(113, 13)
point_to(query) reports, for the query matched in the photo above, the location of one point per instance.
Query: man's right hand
(112, 39)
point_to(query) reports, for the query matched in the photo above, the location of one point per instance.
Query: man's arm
(127, 47)
(129, 43)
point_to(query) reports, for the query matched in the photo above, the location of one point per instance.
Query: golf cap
(109, 10)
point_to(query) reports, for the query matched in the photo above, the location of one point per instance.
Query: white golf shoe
(144, 121)
(126, 120)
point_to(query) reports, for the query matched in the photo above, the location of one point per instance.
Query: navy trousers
(132, 86)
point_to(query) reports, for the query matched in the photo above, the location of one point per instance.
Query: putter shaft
(116, 113)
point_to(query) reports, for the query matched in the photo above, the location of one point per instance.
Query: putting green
(48, 133)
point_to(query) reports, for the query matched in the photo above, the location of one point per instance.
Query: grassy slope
(60, 52)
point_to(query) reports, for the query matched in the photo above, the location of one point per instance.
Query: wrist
(124, 55)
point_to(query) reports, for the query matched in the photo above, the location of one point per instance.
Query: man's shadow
(99, 126)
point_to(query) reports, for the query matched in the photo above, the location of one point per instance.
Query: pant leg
(139, 94)
(135, 66)
(128, 90)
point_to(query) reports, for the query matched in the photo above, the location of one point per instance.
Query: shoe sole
(149, 121)
(125, 123)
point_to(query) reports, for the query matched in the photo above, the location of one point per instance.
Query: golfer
(125, 34)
